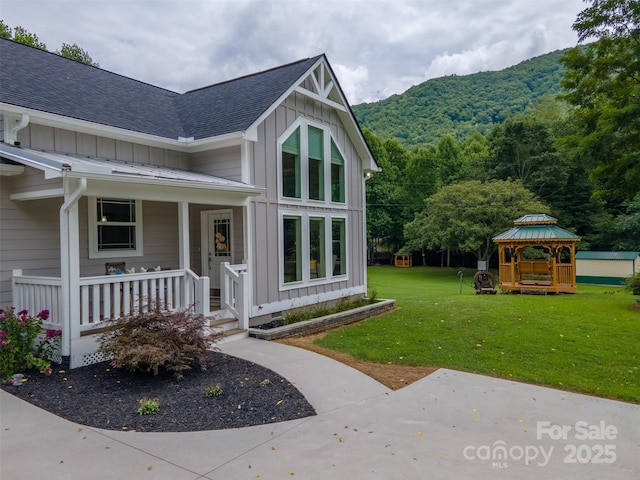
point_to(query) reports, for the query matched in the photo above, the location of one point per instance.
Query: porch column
(74, 272)
(70, 265)
(183, 235)
(184, 261)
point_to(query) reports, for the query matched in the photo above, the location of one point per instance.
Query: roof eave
(247, 190)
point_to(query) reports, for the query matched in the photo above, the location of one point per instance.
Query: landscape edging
(320, 324)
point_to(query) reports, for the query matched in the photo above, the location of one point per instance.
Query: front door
(218, 243)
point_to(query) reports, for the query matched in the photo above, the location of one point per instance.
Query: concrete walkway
(450, 425)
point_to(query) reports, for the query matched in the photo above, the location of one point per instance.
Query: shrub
(23, 343)
(213, 390)
(156, 339)
(633, 283)
(149, 406)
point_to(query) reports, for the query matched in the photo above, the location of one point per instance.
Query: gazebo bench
(546, 283)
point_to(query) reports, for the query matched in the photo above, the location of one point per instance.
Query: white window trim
(93, 234)
(306, 254)
(303, 124)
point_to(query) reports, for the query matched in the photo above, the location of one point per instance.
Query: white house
(113, 191)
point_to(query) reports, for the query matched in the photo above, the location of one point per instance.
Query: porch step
(214, 303)
(224, 322)
(221, 323)
(232, 334)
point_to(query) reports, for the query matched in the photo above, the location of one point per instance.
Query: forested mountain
(462, 105)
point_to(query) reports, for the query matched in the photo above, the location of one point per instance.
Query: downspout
(65, 268)
(11, 131)
(365, 244)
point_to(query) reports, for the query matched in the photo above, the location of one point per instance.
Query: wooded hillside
(462, 105)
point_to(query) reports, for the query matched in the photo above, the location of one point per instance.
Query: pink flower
(3, 314)
(23, 315)
(54, 333)
(43, 315)
(3, 334)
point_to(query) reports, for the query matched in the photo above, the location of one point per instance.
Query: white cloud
(376, 47)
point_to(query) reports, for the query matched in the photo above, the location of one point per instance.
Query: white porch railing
(108, 297)
(34, 293)
(234, 286)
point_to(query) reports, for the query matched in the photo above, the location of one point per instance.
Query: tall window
(339, 246)
(291, 166)
(337, 174)
(312, 165)
(316, 163)
(292, 243)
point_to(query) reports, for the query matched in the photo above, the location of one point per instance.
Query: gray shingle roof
(233, 106)
(47, 82)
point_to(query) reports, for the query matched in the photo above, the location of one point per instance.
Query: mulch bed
(104, 397)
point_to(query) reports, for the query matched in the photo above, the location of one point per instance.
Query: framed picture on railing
(115, 268)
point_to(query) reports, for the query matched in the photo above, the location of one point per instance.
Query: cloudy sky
(376, 47)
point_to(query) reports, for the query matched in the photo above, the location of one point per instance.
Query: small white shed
(606, 268)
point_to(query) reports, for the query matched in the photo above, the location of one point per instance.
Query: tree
(449, 158)
(74, 52)
(627, 226)
(22, 35)
(523, 149)
(475, 154)
(464, 217)
(420, 180)
(5, 30)
(602, 82)
(385, 193)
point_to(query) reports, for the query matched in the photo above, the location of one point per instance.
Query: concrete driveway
(449, 425)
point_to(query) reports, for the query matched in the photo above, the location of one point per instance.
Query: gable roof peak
(255, 74)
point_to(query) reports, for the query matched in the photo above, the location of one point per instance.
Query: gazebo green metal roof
(536, 227)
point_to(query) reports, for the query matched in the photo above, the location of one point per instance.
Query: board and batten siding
(76, 143)
(265, 208)
(222, 162)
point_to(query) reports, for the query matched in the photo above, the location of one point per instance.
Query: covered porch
(537, 256)
(177, 271)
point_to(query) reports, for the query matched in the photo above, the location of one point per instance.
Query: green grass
(588, 342)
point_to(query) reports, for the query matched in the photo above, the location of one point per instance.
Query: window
(291, 166)
(313, 247)
(292, 243)
(337, 174)
(339, 246)
(317, 250)
(115, 228)
(316, 164)
(311, 164)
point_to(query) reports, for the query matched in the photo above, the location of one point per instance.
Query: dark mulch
(270, 325)
(104, 397)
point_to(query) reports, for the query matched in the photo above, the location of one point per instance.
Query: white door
(219, 243)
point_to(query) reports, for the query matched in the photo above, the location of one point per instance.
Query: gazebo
(537, 256)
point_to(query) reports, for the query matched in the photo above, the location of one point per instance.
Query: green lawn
(588, 342)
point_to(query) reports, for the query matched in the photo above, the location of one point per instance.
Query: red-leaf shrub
(158, 340)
